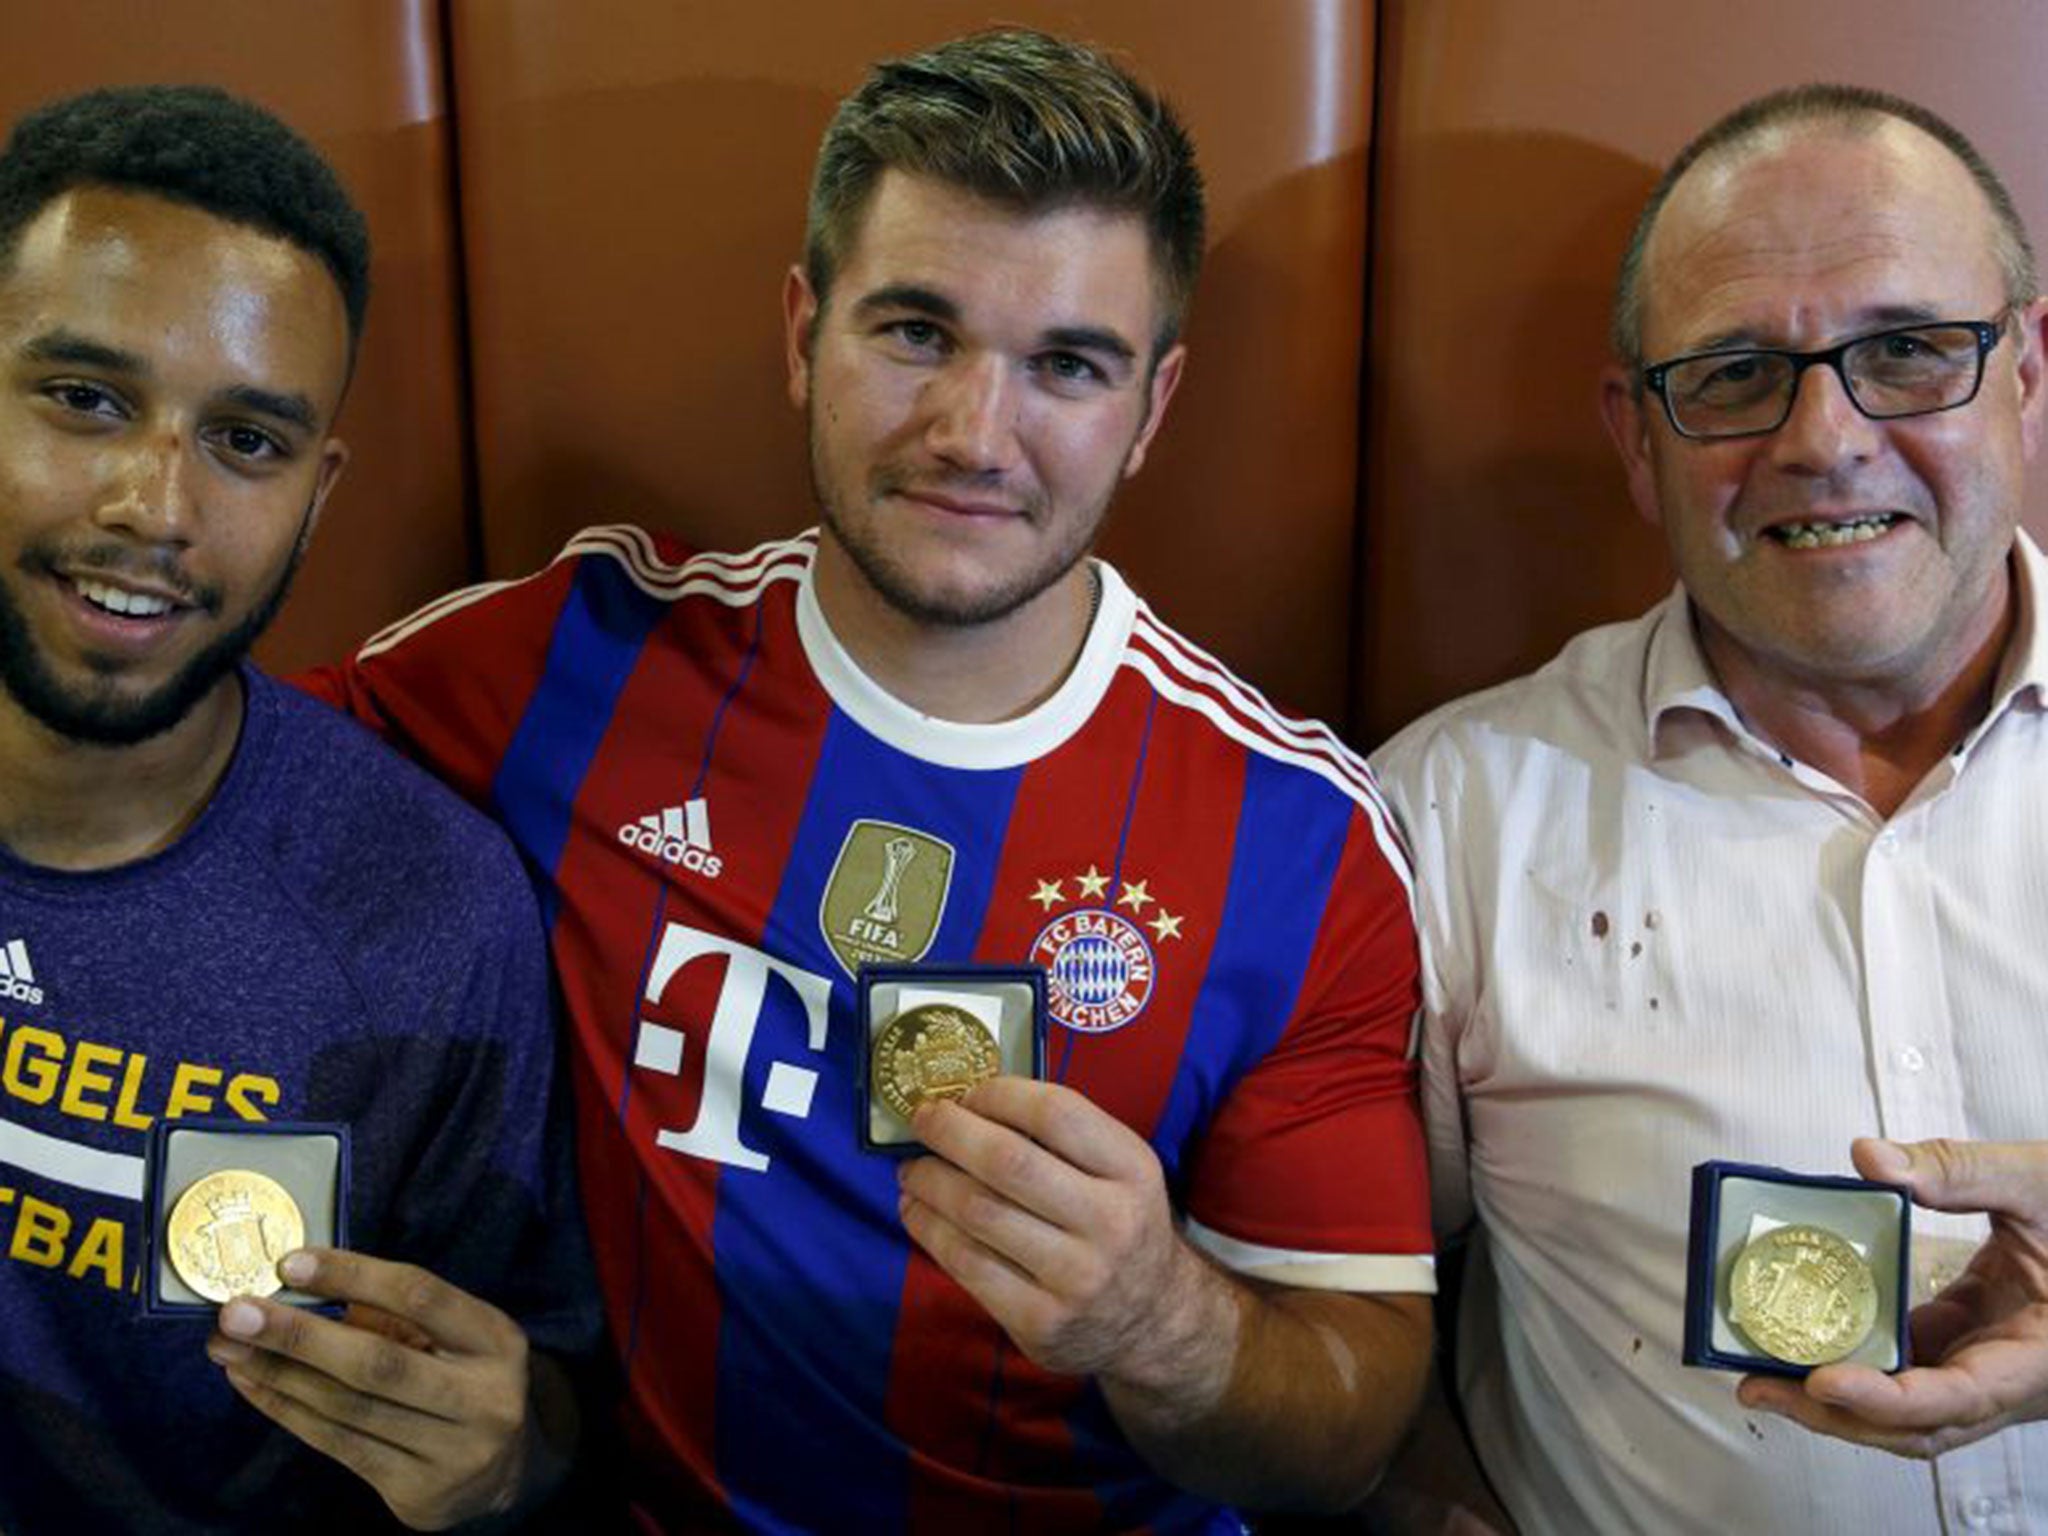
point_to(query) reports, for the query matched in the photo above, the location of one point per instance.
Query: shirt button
(1887, 841)
(1978, 1512)
(1912, 1059)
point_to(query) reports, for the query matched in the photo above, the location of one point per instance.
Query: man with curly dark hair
(220, 903)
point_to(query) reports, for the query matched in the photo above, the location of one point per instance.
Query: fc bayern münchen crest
(1099, 967)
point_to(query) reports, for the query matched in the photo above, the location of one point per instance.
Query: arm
(1435, 1487)
(1054, 1215)
(1984, 1338)
(449, 685)
(461, 1185)
(425, 1392)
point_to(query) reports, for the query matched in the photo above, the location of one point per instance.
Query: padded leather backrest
(1516, 142)
(633, 181)
(364, 81)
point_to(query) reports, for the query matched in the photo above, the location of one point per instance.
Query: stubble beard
(897, 586)
(101, 715)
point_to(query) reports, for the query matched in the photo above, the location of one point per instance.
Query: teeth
(1825, 535)
(133, 605)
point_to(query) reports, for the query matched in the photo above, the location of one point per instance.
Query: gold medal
(1803, 1295)
(229, 1229)
(935, 1051)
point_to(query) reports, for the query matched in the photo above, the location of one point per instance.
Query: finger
(1926, 1399)
(1065, 1123)
(377, 1462)
(369, 1362)
(1030, 1242)
(360, 1314)
(1007, 1162)
(1006, 1292)
(1937, 1326)
(2004, 1177)
(450, 1316)
(335, 1401)
(1788, 1399)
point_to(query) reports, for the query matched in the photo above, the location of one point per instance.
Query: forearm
(1272, 1397)
(1434, 1483)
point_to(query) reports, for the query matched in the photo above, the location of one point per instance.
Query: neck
(1879, 739)
(970, 674)
(73, 805)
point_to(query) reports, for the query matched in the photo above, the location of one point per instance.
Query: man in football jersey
(1756, 874)
(220, 902)
(1188, 1268)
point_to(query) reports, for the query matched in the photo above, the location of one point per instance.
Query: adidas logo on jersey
(680, 835)
(17, 976)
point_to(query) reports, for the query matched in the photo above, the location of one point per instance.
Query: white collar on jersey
(947, 743)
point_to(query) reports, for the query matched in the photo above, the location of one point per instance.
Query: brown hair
(1024, 119)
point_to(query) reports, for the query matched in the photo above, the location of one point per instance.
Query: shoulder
(361, 835)
(606, 572)
(1588, 699)
(1300, 757)
(1202, 698)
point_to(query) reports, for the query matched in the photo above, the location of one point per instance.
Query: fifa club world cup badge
(886, 896)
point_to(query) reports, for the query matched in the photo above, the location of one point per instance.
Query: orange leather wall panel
(1516, 140)
(632, 176)
(633, 182)
(363, 81)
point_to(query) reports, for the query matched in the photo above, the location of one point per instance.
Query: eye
(239, 440)
(918, 335)
(1728, 381)
(86, 399)
(1739, 370)
(1072, 367)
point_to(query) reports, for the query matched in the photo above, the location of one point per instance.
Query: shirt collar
(1677, 678)
(2023, 675)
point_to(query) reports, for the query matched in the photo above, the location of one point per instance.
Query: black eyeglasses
(1910, 370)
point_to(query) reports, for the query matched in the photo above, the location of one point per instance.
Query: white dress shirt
(1651, 939)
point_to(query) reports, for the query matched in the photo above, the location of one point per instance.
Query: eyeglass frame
(1988, 333)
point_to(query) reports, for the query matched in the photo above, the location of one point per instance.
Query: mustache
(158, 569)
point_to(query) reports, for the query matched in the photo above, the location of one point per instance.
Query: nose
(973, 406)
(152, 498)
(1824, 430)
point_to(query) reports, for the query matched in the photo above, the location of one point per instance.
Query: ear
(1159, 390)
(2030, 369)
(799, 315)
(333, 460)
(1626, 408)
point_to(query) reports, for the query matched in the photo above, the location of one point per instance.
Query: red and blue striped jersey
(727, 818)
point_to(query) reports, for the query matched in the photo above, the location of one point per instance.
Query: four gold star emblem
(1093, 884)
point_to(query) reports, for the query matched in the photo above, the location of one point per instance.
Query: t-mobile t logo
(715, 1134)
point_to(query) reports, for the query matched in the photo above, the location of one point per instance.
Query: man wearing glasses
(1759, 872)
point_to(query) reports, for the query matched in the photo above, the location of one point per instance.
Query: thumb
(2007, 1178)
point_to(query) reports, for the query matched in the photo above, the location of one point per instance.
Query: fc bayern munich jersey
(728, 819)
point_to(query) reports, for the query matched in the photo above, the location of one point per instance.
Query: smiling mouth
(959, 506)
(119, 601)
(1857, 530)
